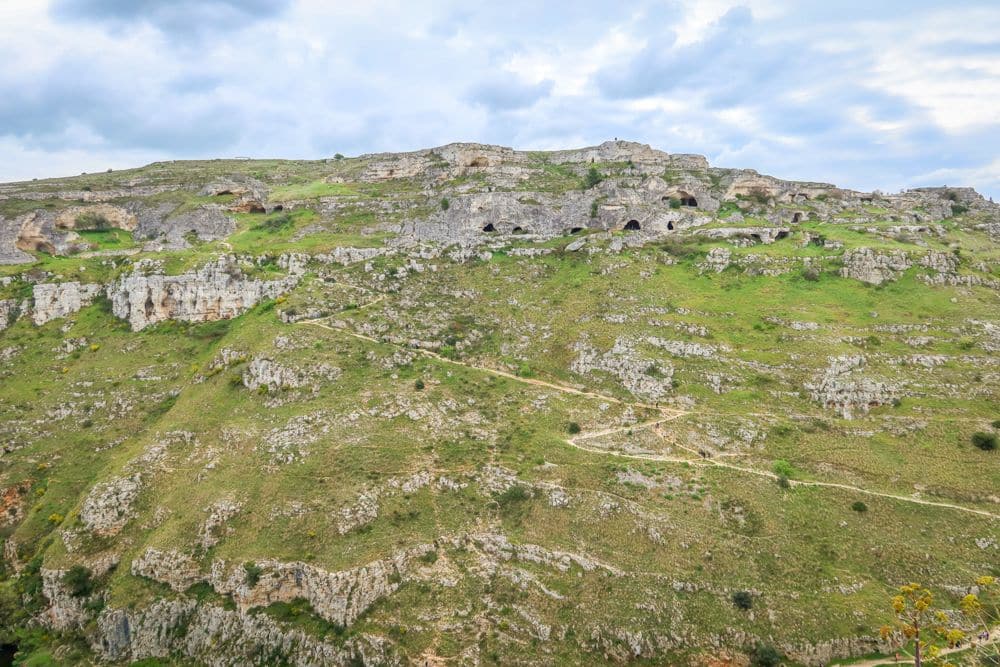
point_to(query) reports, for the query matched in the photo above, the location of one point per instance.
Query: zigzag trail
(670, 414)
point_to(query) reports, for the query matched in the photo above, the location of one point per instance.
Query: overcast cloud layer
(869, 95)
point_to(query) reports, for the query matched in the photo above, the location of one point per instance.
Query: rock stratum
(471, 405)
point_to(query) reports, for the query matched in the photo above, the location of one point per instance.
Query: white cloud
(885, 97)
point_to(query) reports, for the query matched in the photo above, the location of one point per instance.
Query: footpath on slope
(670, 414)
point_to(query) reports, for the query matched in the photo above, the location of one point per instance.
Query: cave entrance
(632, 226)
(781, 235)
(7, 653)
(518, 230)
(670, 226)
(489, 228)
(576, 230)
(689, 201)
(797, 217)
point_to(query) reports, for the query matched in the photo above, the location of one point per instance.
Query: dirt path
(669, 413)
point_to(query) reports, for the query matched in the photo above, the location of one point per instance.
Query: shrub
(513, 496)
(783, 467)
(810, 273)
(985, 441)
(675, 202)
(859, 506)
(995, 423)
(958, 209)
(742, 600)
(765, 655)
(253, 572)
(593, 209)
(418, 385)
(430, 557)
(573, 428)
(445, 203)
(338, 156)
(78, 580)
(593, 178)
(783, 482)
(275, 224)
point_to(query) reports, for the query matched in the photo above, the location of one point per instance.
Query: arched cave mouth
(519, 230)
(575, 230)
(670, 226)
(632, 226)
(489, 228)
(689, 201)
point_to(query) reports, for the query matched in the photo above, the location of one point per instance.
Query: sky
(885, 95)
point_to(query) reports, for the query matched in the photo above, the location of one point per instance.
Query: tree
(78, 580)
(593, 178)
(913, 613)
(917, 619)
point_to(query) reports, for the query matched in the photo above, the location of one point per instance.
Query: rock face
(840, 389)
(222, 638)
(642, 377)
(176, 569)
(10, 309)
(874, 268)
(54, 300)
(339, 597)
(216, 291)
(108, 507)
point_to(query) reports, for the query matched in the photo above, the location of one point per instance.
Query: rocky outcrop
(177, 570)
(108, 507)
(641, 377)
(747, 235)
(217, 291)
(207, 223)
(250, 194)
(717, 260)
(872, 267)
(209, 634)
(10, 309)
(55, 300)
(840, 388)
(339, 597)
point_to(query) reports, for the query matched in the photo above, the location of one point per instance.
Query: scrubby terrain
(476, 406)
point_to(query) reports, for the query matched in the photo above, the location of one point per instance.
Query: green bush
(573, 428)
(995, 423)
(985, 441)
(765, 655)
(513, 496)
(445, 203)
(859, 506)
(784, 482)
(742, 600)
(430, 557)
(79, 581)
(810, 273)
(418, 385)
(783, 467)
(593, 178)
(675, 202)
(276, 223)
(253, 573)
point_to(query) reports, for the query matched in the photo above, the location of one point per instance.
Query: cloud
(184, 18)
(508, 92)
(882, 95)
